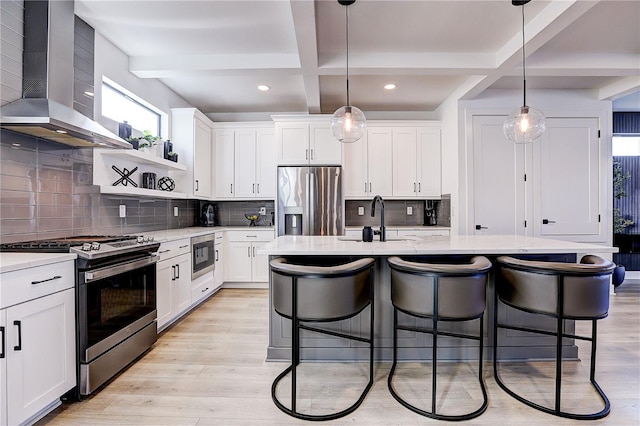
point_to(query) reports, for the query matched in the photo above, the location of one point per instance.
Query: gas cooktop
(87, 246)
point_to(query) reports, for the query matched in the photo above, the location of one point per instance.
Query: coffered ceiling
(215, 53)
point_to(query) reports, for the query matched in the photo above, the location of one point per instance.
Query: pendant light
(526, 124)
(348, 122)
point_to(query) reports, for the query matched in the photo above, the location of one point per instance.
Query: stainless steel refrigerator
(310, 200)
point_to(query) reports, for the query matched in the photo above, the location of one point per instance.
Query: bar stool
(309, 294)
(564, 291)
(442, 292)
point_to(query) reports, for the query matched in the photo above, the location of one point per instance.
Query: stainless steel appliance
(209, 215)
(203, 255)
(310, 200)
(115, 300)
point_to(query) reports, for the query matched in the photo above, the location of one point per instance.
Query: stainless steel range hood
(46, 108)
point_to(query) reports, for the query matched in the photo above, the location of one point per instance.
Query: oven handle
(112, 270)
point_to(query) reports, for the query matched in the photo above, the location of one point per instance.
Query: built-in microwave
(203, 257)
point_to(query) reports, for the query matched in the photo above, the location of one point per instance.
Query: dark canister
(367, 234)
(149, 180)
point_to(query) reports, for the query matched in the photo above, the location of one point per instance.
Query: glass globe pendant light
(526, 124)
(348, 122)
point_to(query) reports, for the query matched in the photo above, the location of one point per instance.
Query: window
(623, 146)
(120, 106)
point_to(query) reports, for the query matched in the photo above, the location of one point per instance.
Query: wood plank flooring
(210, 369)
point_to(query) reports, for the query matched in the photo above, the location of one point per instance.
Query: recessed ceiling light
(390, 86)
(61, 131)
(263, 87)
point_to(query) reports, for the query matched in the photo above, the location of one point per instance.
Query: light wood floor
(209, 369)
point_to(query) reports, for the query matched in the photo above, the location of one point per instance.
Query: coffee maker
(209, 216)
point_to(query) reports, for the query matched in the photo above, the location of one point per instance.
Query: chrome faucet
(383, 231)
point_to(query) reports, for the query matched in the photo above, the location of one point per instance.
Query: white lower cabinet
(173, 281)
(218, 273)
(244, 265)
(402, 232)
(37, 328)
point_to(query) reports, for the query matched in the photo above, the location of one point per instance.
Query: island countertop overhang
(296, 245)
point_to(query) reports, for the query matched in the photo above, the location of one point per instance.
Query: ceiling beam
(304, 23)
(620, 88)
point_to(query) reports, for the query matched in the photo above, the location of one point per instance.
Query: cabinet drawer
(202, 287)
(423, 232)
(174, 248)
(249, 236)
(32, 283)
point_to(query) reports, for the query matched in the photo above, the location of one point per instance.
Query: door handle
(547, 221)
(19, 347)
(479, 227)
(2, 332)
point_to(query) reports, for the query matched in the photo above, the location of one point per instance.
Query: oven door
(114, 302)
(203, 255)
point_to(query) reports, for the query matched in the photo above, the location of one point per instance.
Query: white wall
(451, 166)
(114, 64)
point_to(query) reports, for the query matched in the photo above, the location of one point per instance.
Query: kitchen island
(516, 345)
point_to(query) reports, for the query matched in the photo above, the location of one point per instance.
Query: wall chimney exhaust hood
(46, 108)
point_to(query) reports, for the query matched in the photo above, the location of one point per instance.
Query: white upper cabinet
(416, 162)
(303, 140)
(191, 134)
(245, 161)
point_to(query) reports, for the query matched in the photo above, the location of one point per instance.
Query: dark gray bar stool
(563, 291)
(315, 294)
(442, 292)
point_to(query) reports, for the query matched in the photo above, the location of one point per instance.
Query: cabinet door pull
(164, 251)
(197, 185)
(312, 153)
(205, 289)
(253, 188)
(547, 221)
(231, 188)
(258, 186)
(479, 227)
(252, 236)
(57, 277)
(365, 187)
(419, 190)
(177, 272)
(414, 187)
(2, 347)
(217, 256)
(254, 252)
(173, 272)
(248, 251)
(306, 154)
(184, 246)
(370, 189)
(19, 325)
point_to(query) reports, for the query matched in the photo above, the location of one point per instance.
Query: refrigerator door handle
(312, 203)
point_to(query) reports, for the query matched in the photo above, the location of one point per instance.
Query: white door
(379, 156)
(224, 161)
(202, 159)
(325, 150)
(567, 192)
(164, 282)
(355, 181)
(429, 162)
(182, 283)
(239, 261)
(245, 163)
(405, 161)
(266, 164)
(259, 264)
(293, 143)
(498, 184)
(41, 356)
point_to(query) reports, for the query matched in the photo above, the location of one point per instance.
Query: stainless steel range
(115, 300)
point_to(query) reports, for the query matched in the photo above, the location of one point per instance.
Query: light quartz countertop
(15, 261)
(459, 244)
(176, 234)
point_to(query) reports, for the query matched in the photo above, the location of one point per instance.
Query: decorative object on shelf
(146, 142)
(619, 191)
(168, 147)
(166, 184)
(526, 124)
(252, 217)
(348, 123)
(125, 176)
(172, 156)
(149, 180)
(124, 130)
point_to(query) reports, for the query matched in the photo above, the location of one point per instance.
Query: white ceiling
(214, 53)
